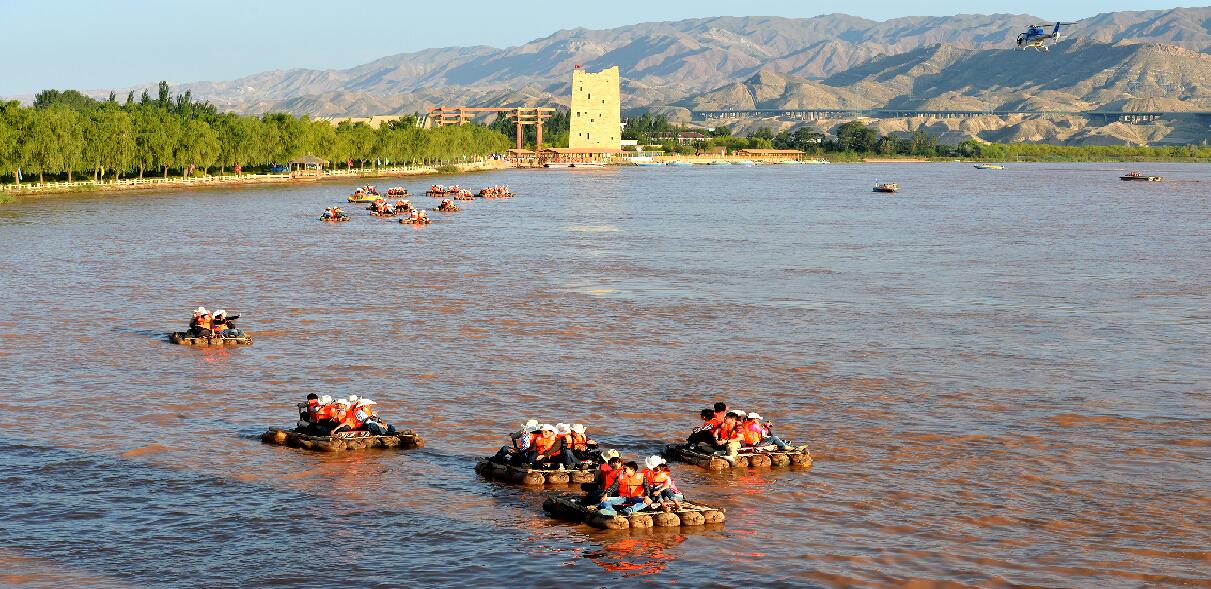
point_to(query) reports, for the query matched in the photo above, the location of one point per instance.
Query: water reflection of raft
(762, 459)
(378, 214)
(403, 440)
(184, 339)
(336, 219)
(409, 221)
(483, 194)
(567, 506)
(525, 475)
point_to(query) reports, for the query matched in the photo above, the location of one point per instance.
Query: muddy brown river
(1003, 376)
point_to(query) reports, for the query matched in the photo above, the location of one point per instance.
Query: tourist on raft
(447, 206)
(333, 213)
(546, 448)
(403, 206)
(201, 324)
(628, 494)
(661, 487)
(223, 325)
(759, 435)
(578, 448)
(323, 416)
(520, 445)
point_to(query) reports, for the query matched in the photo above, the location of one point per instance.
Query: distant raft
(532, 477)
(411, 221)
(183, 338)
(359, 440)
(567, 506)
(800, 457)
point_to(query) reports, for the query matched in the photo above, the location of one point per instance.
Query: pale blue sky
(93, 44)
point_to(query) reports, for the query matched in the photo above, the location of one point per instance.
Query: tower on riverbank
(596, 110)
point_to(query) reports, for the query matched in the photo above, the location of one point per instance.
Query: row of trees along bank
(855, 140)
(65, 134)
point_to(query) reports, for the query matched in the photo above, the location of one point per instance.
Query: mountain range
(831, 60)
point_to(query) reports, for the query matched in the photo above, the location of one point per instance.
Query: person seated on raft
(202, 323)
(729, 436)
(519, 444)
(629, 493)
(315, 416)
(660, 483)
(607, 473)
(706, 432)
(366, 419)
(759, 435)
(578, 448)
(424, 216)
(546, 448)
(403, 206)
(223, 325)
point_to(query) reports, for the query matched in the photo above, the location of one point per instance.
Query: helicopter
(1036, 36)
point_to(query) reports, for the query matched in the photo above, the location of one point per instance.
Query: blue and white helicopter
(1036, 36)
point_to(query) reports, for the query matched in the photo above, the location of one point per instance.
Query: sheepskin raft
(403, 440)
(745, 459)
(183, 338)
(531, 477)
(567, 506)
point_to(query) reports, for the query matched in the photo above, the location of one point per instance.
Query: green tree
(56, 141)
(856, 137)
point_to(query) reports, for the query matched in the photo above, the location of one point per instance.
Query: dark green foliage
(67, 133)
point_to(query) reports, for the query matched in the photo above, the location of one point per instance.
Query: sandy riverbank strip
(90, 187)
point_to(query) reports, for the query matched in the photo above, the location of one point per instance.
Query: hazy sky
(90, 44)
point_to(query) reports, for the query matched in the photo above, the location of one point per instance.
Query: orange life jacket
(205, 322)
(752, 434)
(578, 441)
(726, 433)
(655, 478)
(542, 445)
(630, 486)
(350, 419)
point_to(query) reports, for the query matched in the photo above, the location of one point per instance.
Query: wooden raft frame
(182, 338)
(566, 506)
(531, 477)
(758, 459)
(403, 440)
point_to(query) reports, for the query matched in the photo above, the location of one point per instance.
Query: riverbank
(9, 192)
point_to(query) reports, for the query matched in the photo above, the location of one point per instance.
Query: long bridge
(894, 113)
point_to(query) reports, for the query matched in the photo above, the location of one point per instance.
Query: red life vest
(609, 474)
(655, 478)
(753, 433)
(578, 441)
(542, 444)
(726, 433)
(630, 486)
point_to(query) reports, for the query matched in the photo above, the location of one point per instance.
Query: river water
(1003, 376)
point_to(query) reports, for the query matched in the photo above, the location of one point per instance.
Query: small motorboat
(587, 165)
(649, 164)
(890, 187)
(681, 163)
(557, 165)
(745, 163)
(1138, 177)
(817, 162)
(989, 167)
(720, 163)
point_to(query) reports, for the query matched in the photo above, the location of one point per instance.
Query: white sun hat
(578, 428)
(352, 398)
(364, 402)
(754, 416)
(342, 401)
(547, 427)
(200, 310)
(220, 312)
(326, 400)
(653, 461)
(530, 425)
